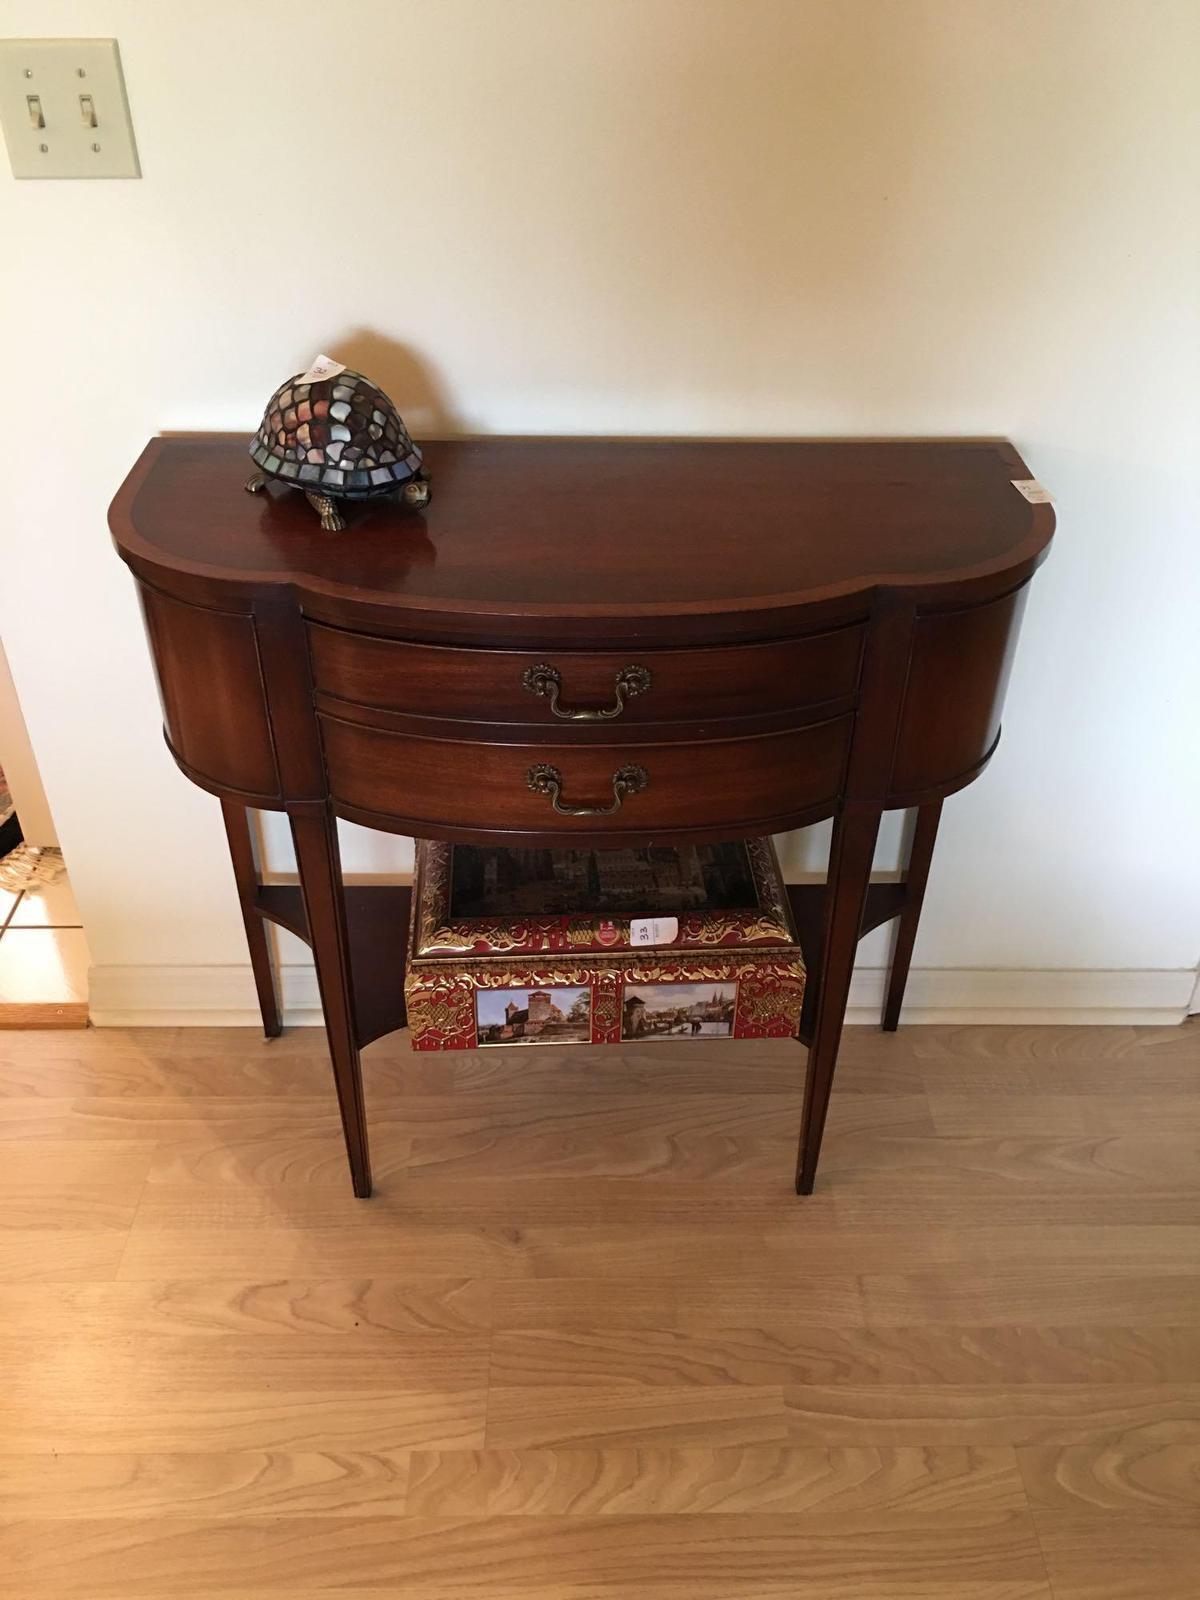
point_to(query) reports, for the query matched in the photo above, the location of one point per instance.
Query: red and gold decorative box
(600, 946)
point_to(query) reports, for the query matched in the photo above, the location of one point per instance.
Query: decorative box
(516, 946)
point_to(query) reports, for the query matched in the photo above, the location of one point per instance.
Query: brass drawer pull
(545, 779)
(547, 681)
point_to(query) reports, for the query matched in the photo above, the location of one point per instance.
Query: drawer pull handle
(545, 779)
(547, 681)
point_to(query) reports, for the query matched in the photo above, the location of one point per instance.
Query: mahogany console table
(704, 640)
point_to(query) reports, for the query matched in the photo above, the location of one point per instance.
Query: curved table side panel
(210, 682)
(957, 677)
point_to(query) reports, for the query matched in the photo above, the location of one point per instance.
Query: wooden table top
(574, 528)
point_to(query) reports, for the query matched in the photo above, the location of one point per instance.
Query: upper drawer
(552, 688)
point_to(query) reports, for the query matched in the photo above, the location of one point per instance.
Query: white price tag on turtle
(323, 367)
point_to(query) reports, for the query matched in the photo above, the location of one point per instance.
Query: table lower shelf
(377, 920)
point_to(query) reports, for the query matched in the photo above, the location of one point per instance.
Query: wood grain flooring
(585, 1343)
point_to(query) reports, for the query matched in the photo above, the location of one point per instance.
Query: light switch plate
(64, 111)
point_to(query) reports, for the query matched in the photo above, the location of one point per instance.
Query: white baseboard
(177, 996)
(1148, 997)
(197, 997)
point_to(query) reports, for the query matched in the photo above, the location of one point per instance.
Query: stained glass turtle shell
(336, 437)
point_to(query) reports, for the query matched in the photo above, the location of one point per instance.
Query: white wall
(669, 216)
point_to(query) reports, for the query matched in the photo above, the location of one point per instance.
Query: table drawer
(552, 688)
(726, 788)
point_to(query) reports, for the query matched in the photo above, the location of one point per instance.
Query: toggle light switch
(64, 110)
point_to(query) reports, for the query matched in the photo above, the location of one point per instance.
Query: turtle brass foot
(416, 490)
(324, 506)
(256, 481)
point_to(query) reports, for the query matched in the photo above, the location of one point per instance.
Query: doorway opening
(43, 952)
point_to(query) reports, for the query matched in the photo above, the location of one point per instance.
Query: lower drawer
(725, 788)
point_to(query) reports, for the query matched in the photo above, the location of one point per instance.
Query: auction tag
(1033, 491)
(654, 930)
(322, 367)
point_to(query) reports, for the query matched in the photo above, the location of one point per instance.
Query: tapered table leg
(916, 877)
(850, 858)
(314, 830)
(245, 872)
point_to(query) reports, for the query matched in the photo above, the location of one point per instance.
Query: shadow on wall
(409, 381)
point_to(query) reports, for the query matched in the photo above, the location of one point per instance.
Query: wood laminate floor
(585, 1343)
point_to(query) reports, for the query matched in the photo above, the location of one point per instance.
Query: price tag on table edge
(654, 930)
(1033, 491)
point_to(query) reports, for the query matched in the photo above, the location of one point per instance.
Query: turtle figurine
(334, 434)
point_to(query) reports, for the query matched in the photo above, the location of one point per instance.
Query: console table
(585, 642)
